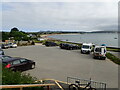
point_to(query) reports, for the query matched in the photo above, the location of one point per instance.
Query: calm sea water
(110, 39)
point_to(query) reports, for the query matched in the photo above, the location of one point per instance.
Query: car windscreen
(85, 46)
(23, 60)
(5, 57)
(98, 49)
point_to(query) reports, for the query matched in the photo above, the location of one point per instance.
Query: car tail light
(8, 66)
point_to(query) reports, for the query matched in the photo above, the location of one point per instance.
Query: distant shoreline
(45, 36)
(48, 38)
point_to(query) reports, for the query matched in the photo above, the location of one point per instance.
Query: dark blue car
(69, 46)
(48, 43)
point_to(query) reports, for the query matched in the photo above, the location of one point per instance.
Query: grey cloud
(60, 16)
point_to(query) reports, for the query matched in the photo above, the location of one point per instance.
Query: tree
(18, 35)
(5, 36)
(14, 29)
(14, 32)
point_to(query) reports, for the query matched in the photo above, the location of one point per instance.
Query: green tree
(18, 35)
(5, 36)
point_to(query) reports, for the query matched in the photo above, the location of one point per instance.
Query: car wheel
(33, 66)
(81, 52)
(88, 52)
(104, 58)
(94, 57)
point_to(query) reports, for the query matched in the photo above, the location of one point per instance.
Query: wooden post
(21, 88)
(48, 87)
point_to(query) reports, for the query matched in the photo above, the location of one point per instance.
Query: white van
(86, 48)
(100, 52)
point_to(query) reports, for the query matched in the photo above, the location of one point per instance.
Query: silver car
(1, 52)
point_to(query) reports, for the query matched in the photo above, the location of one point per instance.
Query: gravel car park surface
(56, 63)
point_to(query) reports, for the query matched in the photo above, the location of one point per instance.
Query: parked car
(86, 48)
(4, 46)
(19, 64)
(12, 45)
(64, 46)
(1, 52)
(49, 43)
(99, 52)
(68, 46)
(75, 46)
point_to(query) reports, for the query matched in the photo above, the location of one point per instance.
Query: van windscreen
(85, 46)
(98, 49)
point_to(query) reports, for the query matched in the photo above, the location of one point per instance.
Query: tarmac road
(56, 63)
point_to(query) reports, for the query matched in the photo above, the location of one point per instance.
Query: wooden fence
(27, 85)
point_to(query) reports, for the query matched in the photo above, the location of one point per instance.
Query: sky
(37, 16)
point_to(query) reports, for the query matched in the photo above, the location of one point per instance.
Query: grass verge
(113, 58)
(113, 49)
(57, 42)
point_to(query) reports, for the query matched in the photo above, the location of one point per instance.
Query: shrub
(15, 78)
(32, 43)
(10, 77)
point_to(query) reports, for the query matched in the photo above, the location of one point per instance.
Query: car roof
(12, 59)
(90, 44)
(100, 46)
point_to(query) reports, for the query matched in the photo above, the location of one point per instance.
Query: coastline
(46, 37)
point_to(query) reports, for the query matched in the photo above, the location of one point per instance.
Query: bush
(15, 78)
(10, 77)
(113, 58)
(32, 43)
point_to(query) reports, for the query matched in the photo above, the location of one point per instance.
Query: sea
(110, 39)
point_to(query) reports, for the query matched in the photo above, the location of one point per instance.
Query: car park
(49, 43)
(99, 52)
(68, 46)
(1, 52)
(18, 64)
(86, 48)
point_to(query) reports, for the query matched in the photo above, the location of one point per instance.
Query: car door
(16, 65)
(25, 63)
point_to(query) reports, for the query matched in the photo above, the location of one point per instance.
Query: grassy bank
(57, 41)
(113, 49)
(113, 58)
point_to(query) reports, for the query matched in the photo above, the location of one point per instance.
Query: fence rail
(26, 85)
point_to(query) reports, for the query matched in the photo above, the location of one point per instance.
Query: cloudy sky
(60, 16)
